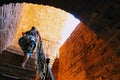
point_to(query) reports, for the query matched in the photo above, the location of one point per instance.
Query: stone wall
(85, 56)
(55, 68)
(8, 23)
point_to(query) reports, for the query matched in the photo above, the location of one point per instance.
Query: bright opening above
(55, 26)
(69, 25)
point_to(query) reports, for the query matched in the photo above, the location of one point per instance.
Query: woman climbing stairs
(10, 69)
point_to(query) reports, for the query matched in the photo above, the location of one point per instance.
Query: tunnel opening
(58, 21)
(55, 25)
(92, 51)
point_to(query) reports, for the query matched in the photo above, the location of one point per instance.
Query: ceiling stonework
(48, 20)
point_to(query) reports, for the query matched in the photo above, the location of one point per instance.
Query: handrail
(44, 71)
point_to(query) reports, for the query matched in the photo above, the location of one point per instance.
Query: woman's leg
(25, 60)
(30, 48)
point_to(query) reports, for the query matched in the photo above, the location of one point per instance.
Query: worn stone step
(17, 71)
(15, 50)
(11, 58)
(8, 77)
(16, 59)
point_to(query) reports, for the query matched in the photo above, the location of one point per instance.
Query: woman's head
(33, 28)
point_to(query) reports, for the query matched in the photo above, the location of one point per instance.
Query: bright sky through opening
(69, 25)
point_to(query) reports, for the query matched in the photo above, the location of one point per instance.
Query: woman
(28, 43)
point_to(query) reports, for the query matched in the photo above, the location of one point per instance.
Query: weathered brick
(86, 56)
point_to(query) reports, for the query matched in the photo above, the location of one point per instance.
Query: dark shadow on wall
(67, 5)
(55, 68)
(104, 21)
(90, 54)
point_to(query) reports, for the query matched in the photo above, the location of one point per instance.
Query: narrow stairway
(10, 68)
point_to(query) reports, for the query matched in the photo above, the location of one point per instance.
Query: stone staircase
(10, 68)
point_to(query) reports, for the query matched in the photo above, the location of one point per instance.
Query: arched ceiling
(82, 9)
(102, 16)
(76, 7)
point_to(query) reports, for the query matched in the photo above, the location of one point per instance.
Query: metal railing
(43, 68)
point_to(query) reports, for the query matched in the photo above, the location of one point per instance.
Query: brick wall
(85, 56)
(55, 68)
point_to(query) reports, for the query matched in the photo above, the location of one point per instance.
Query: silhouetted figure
(28, 43)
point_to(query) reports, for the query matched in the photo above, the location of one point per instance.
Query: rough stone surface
(9, 19)
(85, 56)
(55, 68)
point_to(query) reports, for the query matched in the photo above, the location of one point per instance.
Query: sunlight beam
(69, 25)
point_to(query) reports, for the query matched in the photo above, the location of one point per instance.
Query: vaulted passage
(91, 52)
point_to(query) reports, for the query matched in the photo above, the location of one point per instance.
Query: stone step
(8, 77)
(15, 50)
(12, 58)
(12, 71)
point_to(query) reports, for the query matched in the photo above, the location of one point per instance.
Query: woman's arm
(39, 35)
(23, 33)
